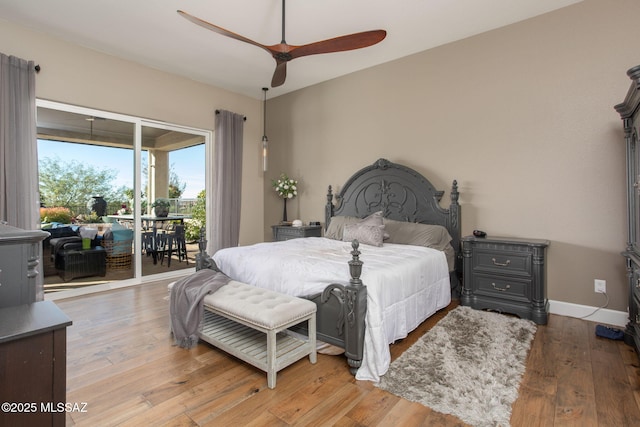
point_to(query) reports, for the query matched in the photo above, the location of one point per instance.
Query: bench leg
(312, 338)
(271, 359)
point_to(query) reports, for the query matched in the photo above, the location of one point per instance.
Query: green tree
(198, 218)
(176, 188)
(71, 183)
(128, 192)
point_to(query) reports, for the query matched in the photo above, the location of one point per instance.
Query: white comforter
(405, 284)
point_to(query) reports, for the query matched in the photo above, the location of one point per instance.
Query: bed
(389, 259)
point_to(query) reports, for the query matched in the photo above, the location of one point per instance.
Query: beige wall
(521, 116)
(79, 76)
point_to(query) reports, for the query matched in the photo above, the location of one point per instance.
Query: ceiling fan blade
(280, 74)
(220, 30)
(339, 44)
(284, 52)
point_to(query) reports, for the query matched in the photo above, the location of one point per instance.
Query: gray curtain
(227, 180)
(19, 198)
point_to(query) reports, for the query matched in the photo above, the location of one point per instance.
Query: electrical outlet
(600, 286)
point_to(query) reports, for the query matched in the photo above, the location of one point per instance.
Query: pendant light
(265, 140)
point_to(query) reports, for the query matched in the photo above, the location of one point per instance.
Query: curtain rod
(243, 118)
(37, 68)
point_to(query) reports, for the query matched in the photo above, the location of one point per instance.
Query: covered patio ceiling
(72, 127)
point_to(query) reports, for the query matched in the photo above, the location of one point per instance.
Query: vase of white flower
(286, 188)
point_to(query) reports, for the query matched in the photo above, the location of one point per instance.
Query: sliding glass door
(123, 197)
(172, 197)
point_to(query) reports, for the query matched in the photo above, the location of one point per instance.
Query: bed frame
(401, 194)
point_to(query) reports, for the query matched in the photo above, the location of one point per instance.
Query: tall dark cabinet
(630, 114)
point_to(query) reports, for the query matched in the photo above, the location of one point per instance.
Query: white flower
(285, 187)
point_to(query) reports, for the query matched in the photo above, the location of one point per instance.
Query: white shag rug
(469, 364)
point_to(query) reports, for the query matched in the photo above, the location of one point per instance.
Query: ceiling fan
(284, 52)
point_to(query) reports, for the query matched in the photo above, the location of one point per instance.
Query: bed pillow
(412, 233)
(335, 230)
(365, 234)
(336, 226)
(429, 235)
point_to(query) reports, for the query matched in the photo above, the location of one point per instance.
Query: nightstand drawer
(286, 232)
(503, 262)
(502, 287)
(289, 232)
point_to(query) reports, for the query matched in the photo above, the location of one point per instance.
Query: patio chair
(180, 243)
(149, 245)
(169, 243)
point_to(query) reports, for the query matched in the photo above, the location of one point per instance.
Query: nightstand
(286, 232)
(506, 275)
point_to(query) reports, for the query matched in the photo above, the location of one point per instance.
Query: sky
(188, 163)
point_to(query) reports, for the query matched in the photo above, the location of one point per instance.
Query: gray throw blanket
(186, 304)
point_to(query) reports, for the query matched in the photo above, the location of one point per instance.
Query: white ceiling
(150, 32)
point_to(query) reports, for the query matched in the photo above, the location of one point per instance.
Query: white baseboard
(602, 315)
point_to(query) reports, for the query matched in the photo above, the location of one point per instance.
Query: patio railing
(178, 206)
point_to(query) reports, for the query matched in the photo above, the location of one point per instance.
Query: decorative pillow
(118, 240)
(376, 219)
(121, 235)
(366, 234)
(335, 230)
(373, 219)
(336, 226)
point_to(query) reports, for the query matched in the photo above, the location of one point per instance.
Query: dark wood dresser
(507, 275)
(20, 278)
(286, 232)
(33, 359)
(630, 114)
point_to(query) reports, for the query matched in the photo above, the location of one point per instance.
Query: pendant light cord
(283, 42)
(264, 113)
(265, 140)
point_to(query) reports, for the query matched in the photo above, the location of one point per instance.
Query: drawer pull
(501, 264)
(506, 288)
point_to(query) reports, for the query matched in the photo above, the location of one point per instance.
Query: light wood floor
(122, 363)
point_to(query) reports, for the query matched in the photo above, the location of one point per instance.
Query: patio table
(149, 221)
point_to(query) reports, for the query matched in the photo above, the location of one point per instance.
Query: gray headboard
(400, 193)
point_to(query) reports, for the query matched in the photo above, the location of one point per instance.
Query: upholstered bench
(238, 316)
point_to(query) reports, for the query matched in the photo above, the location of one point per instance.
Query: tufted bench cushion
(237, 316)
(259, 307)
